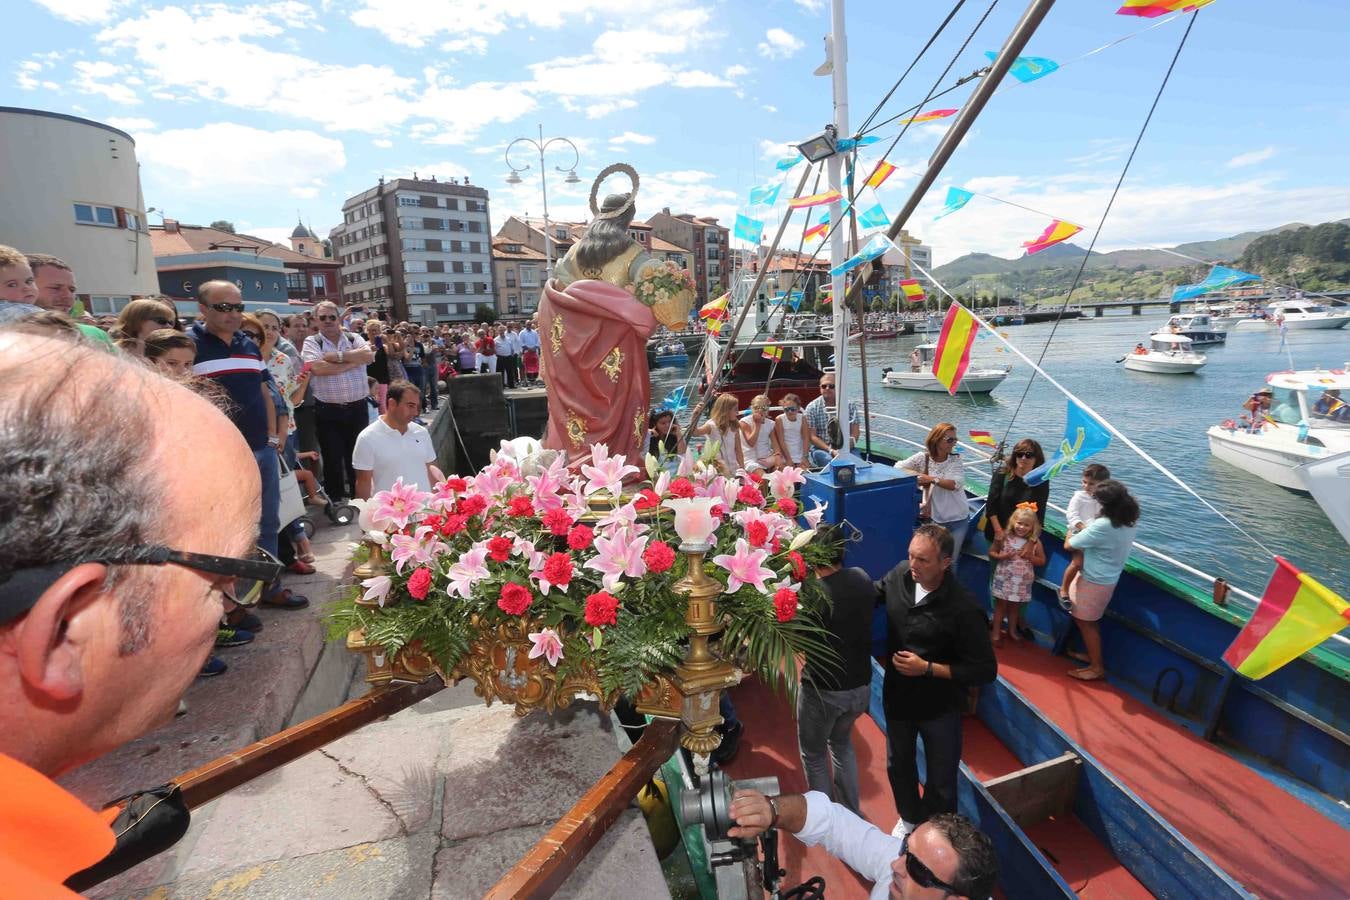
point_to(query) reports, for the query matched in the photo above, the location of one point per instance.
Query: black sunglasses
(326, 318)
(921, 874)
(21, 590)
(1024, 454)
(226, 307)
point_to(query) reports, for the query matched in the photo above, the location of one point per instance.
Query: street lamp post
(542, 145)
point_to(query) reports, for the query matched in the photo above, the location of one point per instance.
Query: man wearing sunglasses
(946, 856)
(338, 361)
(112, 575)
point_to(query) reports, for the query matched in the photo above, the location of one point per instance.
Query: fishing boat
(975, 381)
(1167, 354)
(671, 354)
(1298, 315)
(1202, 328)
(1292, 434)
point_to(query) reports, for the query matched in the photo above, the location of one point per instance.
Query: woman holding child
(1105, 544)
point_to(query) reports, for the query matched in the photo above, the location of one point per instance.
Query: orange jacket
(46, 835)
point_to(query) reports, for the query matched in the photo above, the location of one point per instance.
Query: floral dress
(1013, 577)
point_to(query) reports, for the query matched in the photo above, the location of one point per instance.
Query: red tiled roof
(203, 239)
(526, 252)
(667, 246)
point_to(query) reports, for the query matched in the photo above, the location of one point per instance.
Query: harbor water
(1166, 415)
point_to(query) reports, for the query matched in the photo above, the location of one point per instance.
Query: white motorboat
(1167, 354)
(1223, 316)
(1199, 327)
(1328, 480)
(1298, 314)
(921, 377)
(1306, 422)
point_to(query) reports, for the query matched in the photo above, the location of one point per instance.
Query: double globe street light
(541, 146)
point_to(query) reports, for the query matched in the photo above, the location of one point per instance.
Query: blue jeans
(959, 529)
(820, 458)
(269, 518)
(825, 736)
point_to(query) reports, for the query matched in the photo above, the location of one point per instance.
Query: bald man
(127, 505)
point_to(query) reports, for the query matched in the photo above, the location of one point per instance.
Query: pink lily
(420, 547)
(813, 516)
(783, 481)
(471, 567)
(618, 555)
(779, 525)
(496, 478)
(686, 464)
(533, 558)
(745, 566)
(548, 645)
(394, 508)
(606, 473)
(622, 517)
(547, 485)
(662, 486)
(377, 589)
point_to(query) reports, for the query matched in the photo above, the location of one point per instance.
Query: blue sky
(250, 112)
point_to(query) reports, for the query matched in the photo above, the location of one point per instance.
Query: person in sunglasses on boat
(1008, 490)
(947, 856)
(111, 578)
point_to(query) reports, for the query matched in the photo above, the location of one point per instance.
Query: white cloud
(770, 108)
(735, 71)
(92, 78)
(476, 45)
(779, 44)
(226, 160)
(131, 123)
(631, 137)
(698, 79)
(383, 143)
(600, 110)
(393, 19)
(811, 5)
(1251, 158)
(82, 12)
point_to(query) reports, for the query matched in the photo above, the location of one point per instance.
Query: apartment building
(707, 242)
(519, 272)
(420, 248)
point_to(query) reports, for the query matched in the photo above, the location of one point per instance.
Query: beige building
(708, 244)
(72, 188)
(519, 273)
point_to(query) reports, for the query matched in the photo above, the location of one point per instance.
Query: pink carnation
(420, 583)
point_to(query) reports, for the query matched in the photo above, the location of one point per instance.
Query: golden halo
(632, 174)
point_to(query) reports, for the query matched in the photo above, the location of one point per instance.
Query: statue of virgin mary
(594, 331)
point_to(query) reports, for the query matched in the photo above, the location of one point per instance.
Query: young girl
(1015, 573)
(760, 437)
(1083, 508)
(723, 427)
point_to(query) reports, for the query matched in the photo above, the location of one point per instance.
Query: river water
(1166, 415)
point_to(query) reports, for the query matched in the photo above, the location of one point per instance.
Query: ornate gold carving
(576, 429)
(555, 333)
(613, 364)
(639, 424)
(498, 662)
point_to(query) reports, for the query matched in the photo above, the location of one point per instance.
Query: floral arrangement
(592, 569)
(667, 289)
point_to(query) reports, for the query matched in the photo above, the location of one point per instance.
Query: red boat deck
(1262, 837)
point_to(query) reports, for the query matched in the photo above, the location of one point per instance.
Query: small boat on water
(1201, 328)
(1223, 316)
(1328, 481)
(1293, 433)
(1298, 314)
(1167, 354)
(921, 377)
(671, 354)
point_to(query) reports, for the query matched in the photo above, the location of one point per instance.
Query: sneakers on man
(214, 666)
(242, 618)
(232, 637)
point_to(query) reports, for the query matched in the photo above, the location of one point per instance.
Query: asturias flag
(1084, 436)
(1296, 614)
(952, 357)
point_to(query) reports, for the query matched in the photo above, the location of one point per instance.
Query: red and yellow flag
(928, 116)
(952, 358)
(715, 309)
(1151, 9)
(879, 174)
(817, 230)
(1056, 231)
(983, 438)
(815, 199)
(1296, 614)
(772, 352)
(912, 290)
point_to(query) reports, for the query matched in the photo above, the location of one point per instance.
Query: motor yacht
(1299, 314)
(1200, 327)
(975, 381)
(1167, 354)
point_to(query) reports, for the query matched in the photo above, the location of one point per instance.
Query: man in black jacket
(937, 646)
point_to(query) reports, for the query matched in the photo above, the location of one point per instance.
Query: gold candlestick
(375, 564)
(703, 675)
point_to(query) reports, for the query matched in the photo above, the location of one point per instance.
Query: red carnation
(787, 506)
(648, 499)
(682, 487)
(514, 599)
(785, 604)
(757, 533)
(458, 485)
(520, 506)
(658, 556)
(798, 565)
(420, 583)
(473, 505)
(453, 524)
(558, 569)
(755, 475)
(557, 521)
(601, 609)
(718, 512)
(499, 548)
(433, 522)
(750, 495)
(580, 537)
(775, 545)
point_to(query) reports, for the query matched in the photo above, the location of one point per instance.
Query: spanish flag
(983, 438)
(1296, 614)
(1151, 9)
(912, 290)
(879, 175)
(815, 199)
(952, 356)
(1058, 230)
(772, 352)
(714, 309)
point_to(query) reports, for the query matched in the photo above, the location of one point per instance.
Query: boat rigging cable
(862, 129)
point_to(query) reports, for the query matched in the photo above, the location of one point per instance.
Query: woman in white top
(761, 437)
(942, 476)
(722, 427)
(794, 435)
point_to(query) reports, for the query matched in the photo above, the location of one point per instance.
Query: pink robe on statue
(593, 338)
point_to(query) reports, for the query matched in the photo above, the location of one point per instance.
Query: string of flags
(820, 199)
(714, 314)
(748, 229)
(1058, 230)
(1219, 278)
(1151, 9)
(1027, 68)
(927, 116)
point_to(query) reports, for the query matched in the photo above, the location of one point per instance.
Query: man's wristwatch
(341, 357)
(773, 805)
(929, 672)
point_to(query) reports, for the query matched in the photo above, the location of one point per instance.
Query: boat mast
(838, 253)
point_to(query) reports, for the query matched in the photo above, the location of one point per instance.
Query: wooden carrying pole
(544, 869)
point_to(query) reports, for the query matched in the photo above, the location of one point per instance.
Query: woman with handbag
(942, 479)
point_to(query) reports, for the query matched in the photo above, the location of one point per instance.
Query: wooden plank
(1040, 791)
(544, 869)
(1024, 872)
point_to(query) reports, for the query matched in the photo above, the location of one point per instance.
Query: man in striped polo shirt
(232, 360)
(338, 361)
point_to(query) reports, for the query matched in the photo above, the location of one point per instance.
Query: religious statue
(606, 297)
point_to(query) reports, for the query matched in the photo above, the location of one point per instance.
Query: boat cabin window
(1284, 406)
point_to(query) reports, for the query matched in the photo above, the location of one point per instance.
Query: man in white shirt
(394, 447)
(946, 856)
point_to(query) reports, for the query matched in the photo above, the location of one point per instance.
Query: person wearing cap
(1331, 406)
(1258, 407)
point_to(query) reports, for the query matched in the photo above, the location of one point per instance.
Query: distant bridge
(1137, 306)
